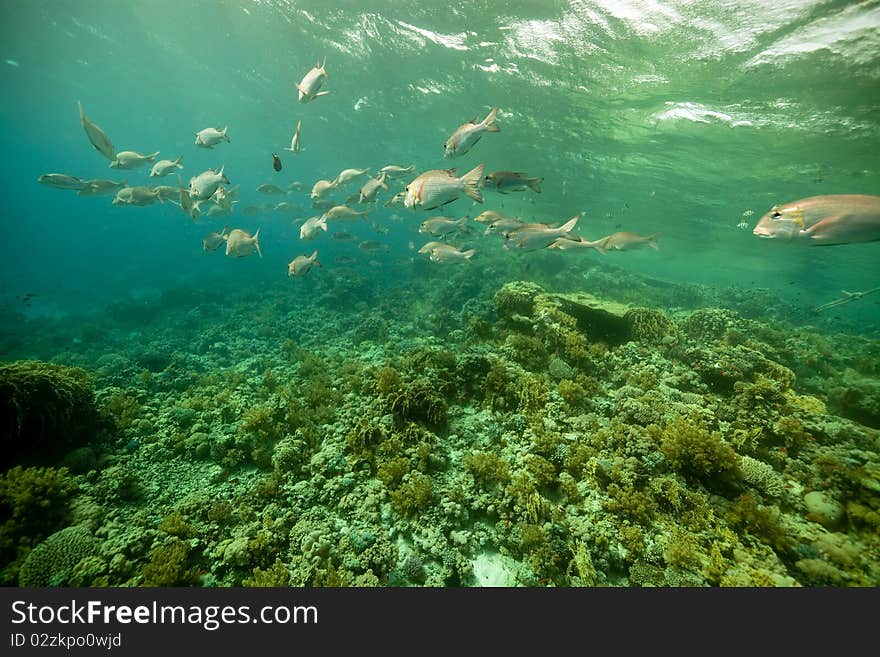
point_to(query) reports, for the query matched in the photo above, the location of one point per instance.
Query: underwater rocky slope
(481, 433)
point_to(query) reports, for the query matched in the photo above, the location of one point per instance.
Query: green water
(685, 119)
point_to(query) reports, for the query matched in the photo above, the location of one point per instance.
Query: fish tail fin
(467, 255)
(153, 156)
(569, 225)
(652, 241)
(471, 182)
(82, 114)
(223, 175)
(314, 258)
(489, 121)
(223, 132)
(257, 242)
(535, 184)
(322, 222)
(463, 224)
(179, 163)
(324, 65)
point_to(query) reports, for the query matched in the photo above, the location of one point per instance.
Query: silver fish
(468, 134)
(296, 140)
(823, 220)
(61, 181)
(240, 243)
(100, 187)
(538, 236)
(311, 83)
(371, 188)
(438, 187)
(440, 226)
(96, 136)
(301, 265)
(210, 137)
(212, 241)
(164, 167)
(132, 160)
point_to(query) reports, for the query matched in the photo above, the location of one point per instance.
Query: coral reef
(599, 430)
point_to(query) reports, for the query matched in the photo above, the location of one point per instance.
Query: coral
(747, 515)
(44, 408)
(51, 562)
(33, 503)
(649, 325)
(761, 476)
(418, 400)
(527, 351)
(169, 566)
(695, 451)
(415, 493)
(175, 525)
(487, 469)
(275, 575)
(516, 298)
(708, 324)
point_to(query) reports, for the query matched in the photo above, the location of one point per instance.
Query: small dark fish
(276, 162)
(372, 245)
(344, 260)
(342, 235)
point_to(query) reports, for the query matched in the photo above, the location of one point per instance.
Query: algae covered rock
(597, 318)
(517, 298)
(44, 409)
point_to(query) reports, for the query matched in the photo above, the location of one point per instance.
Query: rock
(597, 318)
(824, 509)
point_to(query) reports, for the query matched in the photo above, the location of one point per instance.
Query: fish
(538, 236)
(444, 225)
(311, 83)
(276, 162)
(448, 253)
(99, 187)
(302, 264)
(166, 192)
(269, 188)
(212, 241)
(399, 197)
(210, 137)
(342, 236)
(285, 206)
(164, 167)
(343, 212)
(239, 243)
(625, 241)
(295, 186)
(322, 187)
(323, 204)
(96, 136)
(311, 226)
(512, 181)
(216, 210)
(392, 170)
(490, 216)
(468, 134)
(344, 259)
(347, 175)
(206, 183)
(823, 220)
(506, 225)
(566, 244)
(428, 247)
(295, 141)
(139, 195)
(132, 160)
(371, 188)
(251, 210)
(187, 204)
(373, 245)
(439, 187)
(61, 181)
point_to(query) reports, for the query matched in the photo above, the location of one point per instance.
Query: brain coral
(51, 562)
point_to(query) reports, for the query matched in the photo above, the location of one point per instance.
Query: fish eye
(776, 214)
(406, 189)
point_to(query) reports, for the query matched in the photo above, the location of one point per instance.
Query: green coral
(697, 452)
(415, 493)
(649, 325)
(44, 408)
(517, 298)
(51, 563)
(487, 469)
(169, 566)
(33, 502)
(274, 576)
